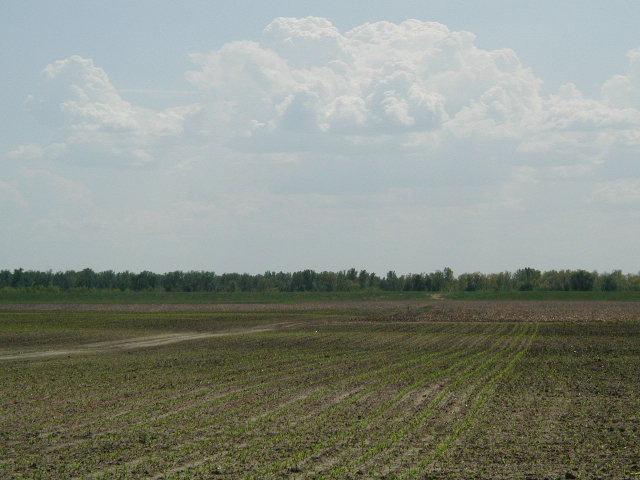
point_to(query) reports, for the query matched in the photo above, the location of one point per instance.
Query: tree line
(312, 281)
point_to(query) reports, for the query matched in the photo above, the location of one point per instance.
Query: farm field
(396, 390)
(80, 296)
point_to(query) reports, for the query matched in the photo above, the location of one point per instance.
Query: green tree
(527, 278)
(581, 280)
(86, 278)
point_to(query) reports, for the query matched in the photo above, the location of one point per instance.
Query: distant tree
(391, 281)
(449, 279)
(17, 279)
(124, 280)
(86, 278)
(363, 279)
(415, 282)
(436, 281)
(61, 281)
(612, 281)
(633, 282)
(172, 281)
(527, 278)
(106, 280)
(5, 278)
(500, 281)
(555, 280)
(344, 282)
(471, 282)
(282, 281)
(303, 281)
(581, 280)
(246, 282)
(326, 282)
(352, 275)
(144, 281)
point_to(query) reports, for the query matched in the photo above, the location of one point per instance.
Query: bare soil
(134, 343)
(345, 390)
(434, 310)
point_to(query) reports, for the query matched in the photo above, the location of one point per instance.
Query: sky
(245, 136)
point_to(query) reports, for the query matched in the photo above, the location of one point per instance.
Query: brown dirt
(214, 307)
(134, 343)
(152, 416)
(402, 310)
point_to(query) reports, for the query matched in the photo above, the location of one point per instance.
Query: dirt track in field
(138, 342)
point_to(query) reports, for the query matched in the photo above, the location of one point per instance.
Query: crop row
(320, 396)
(102, 426)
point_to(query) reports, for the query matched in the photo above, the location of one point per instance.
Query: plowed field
(396, 391)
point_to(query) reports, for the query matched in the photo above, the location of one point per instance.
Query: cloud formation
(623, 91)
(408, 125)
(306, 87)
(95, 123)
(377, 79)
(390, 79)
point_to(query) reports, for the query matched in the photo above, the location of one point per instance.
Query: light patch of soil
(135, 343)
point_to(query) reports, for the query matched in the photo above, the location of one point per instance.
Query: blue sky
(219, 135)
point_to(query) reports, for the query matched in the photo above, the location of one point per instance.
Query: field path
(135, 343)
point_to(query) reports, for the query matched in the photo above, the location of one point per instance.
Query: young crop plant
(455, 390)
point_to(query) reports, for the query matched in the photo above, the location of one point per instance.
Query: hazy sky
(250, 136)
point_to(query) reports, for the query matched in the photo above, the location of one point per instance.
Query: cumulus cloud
(377, 79)
(409, 124)
(414, 88)
(95, 125)
(623, 91)
(80, 96)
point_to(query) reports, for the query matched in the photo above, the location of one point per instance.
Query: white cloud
(315, 133)
(621, 191)
(95, 124)
(84, 100)
(623, 91)
(305, 43)
(28, 152)
(414, 88)
(376, 79)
